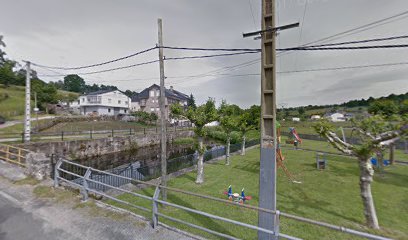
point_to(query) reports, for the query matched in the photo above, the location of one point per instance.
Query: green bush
(217, 134)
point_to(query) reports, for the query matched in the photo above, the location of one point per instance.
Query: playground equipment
(280, 158)
(293, 137)
(321, 161)
(236, 197)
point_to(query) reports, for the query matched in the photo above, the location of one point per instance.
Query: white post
(27, 124)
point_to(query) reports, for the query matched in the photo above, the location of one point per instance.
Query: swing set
(280, 158)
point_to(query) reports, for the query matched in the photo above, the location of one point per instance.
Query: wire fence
(88, 134)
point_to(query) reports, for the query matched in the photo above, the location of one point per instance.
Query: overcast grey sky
(81, 32)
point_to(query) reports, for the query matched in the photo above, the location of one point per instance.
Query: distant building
(295, 119)
(315, 117)
(148, 100)
(335, 117)
(212, 124)
(105, 102)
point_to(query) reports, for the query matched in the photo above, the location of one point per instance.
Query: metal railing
(84, 179)
(87, 134)
(13, 154)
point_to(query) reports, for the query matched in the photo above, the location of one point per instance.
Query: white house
(104, 102)
(336, 117)
(295, 119)
(315, 117)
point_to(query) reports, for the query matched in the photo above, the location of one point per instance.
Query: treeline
(375, 105)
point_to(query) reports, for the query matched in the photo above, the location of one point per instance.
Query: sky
(77, 32)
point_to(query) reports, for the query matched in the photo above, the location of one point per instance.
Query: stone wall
(90, 148)
(38, 165)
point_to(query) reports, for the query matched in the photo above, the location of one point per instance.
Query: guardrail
(83, 179)
(13, 154)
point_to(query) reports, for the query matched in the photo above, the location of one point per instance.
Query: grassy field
(95, 126)
(13, 105)
(331, 195)
(306, 127)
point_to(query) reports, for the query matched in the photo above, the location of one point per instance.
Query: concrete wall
(89, 148)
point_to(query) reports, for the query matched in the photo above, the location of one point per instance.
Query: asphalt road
(16, 224)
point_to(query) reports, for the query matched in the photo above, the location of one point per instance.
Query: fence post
(90, 133)
(130, 131)
(112, 132)
(277, 223)
(155, 218)
(19, 155)
(156, 129)
(85, 185)
(56, 173)
(8, 153)
(144, 131)
(22, 137)
(62, 135)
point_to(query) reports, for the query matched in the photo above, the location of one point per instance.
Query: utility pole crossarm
(270, 29)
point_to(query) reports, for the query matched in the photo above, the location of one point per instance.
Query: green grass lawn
(331, 195)
(13, 105)
(95, 126)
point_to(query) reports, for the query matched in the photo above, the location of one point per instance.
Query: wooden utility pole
(27, 118)
(268, 166)
(163, 122)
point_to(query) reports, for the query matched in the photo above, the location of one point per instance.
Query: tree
(199, 116)
(46, 93)
(191, 101)
(74, 83)
(7, 75)
(2, 54)
(385, 107)
(244, 125)
(375, 133)
(229, 122)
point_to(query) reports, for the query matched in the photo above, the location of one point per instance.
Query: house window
(157, 109)
(109, 100)
(125, 110)
(83, 99)
(126, 102)
(109, 110)
(119, 101)
(79, 102)
(151, 109)
(151, 93)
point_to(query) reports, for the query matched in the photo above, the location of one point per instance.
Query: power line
(208, 56)
(345, 67)
(107, 70)
(214, 49)
(252, 12)
(356, 30)
(360, 27)
(362, 41)
(313, 48)
(97, 64)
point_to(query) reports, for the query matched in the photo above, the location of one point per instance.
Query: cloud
(76, 32)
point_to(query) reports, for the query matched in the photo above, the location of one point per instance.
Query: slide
(295, 134)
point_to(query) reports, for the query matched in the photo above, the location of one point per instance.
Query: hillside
(12, 100)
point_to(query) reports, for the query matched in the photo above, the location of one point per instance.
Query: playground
(330, 195)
